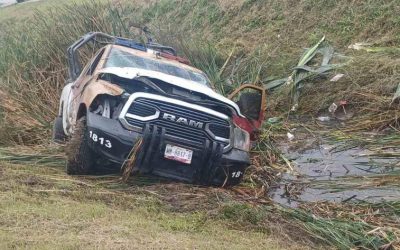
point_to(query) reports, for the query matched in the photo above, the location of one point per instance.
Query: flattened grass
(268, 37)
(42, 208)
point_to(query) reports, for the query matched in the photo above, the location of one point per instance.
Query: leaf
(302, 72)
(275, 83)
(310, 53)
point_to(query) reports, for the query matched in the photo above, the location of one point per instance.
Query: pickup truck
(132, 92)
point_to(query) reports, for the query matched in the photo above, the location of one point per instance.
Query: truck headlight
(241, 139)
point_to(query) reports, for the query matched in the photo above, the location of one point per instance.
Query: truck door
(251, 100)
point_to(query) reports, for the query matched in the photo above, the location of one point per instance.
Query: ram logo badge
(182, 120)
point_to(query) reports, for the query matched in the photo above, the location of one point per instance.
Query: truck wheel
(58, 131)
(80, 157)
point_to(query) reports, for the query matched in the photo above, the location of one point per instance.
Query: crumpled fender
(99, 87)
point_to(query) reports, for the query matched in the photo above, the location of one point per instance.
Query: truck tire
(58, 131)
(80, 157)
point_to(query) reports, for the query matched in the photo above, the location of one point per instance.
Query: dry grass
(42, 208)
(383, 218)
(267, 37)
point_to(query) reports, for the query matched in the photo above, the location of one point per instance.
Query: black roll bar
(75, 67)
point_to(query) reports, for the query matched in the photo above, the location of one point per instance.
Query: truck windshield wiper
(151, 84)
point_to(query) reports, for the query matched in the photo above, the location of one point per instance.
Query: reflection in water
(324, 174)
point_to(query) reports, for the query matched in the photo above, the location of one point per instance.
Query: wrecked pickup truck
(131, 91)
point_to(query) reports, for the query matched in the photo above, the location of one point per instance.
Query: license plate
(178, 154)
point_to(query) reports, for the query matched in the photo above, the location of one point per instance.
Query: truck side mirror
(251, 101)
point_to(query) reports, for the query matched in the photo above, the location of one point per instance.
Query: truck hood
(130, 73)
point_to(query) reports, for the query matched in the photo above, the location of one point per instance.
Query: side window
(94, 63)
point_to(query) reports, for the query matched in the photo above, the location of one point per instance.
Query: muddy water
(324, 172)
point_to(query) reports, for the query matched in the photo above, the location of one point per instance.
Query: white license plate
(178, 154)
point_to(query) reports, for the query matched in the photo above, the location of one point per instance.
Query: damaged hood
(130, 73)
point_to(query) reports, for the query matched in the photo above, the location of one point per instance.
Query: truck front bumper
(209, 165)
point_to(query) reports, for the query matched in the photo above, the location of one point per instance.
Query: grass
(372, 223)
(234, 43)
(34, 191)
(345, 235)
(41, 208)
(229, 60)
(24, 11)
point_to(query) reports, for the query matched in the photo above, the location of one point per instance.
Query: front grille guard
(153, 140)
(125, 113)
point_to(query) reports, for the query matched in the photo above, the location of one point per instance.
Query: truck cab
(145, 109)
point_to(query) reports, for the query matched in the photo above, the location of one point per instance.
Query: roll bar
(75, 67)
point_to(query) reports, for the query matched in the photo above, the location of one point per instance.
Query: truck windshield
(119, 58)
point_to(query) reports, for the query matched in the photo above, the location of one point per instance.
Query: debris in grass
(273, 120)
(397, 94)
(290, 136)
(128, 166)
(368, 47)
(332, 108)
(324, 118)
(359, 46)
(336, 77)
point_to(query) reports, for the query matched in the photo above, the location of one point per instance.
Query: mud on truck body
(132, 92)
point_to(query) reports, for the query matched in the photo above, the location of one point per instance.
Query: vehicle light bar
(129, 43)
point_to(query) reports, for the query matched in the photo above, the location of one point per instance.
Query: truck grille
(214, 128)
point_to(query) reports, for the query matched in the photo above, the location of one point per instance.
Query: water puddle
(325, 172)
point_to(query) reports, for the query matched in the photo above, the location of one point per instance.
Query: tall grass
(33, 62)
(240, 44)
(33, 65)
(345, 233)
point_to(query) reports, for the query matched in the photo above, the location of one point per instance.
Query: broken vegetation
(249, 42)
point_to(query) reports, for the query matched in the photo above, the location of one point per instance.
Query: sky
(7, 2)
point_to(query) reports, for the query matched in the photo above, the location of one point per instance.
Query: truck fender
(65, 102)
(99, 87)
